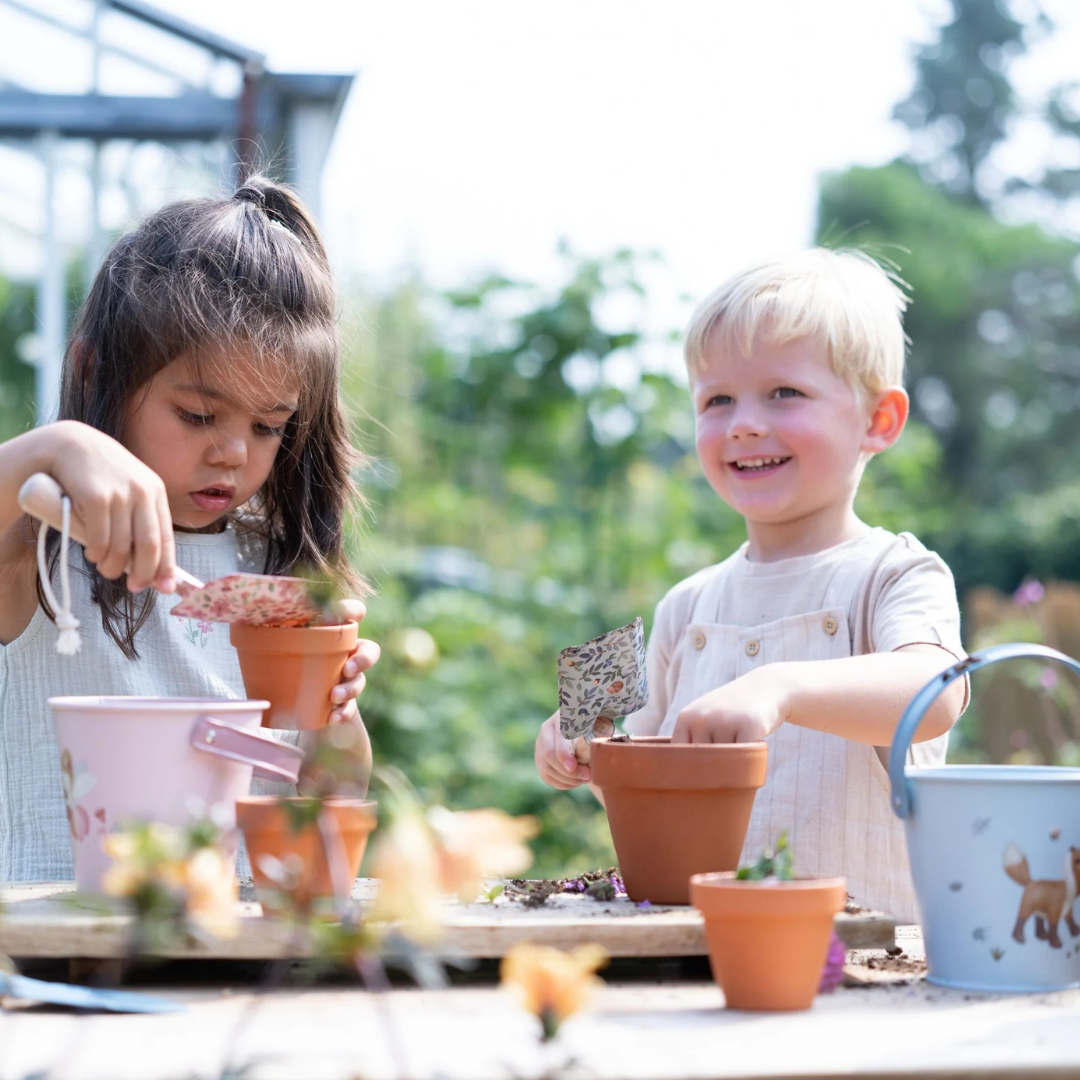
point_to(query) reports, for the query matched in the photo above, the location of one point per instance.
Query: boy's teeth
(757, 463)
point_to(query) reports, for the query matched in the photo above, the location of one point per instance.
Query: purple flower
(1048, 678)
(644, 904)
(833, 973)
(1030, 592)
(205, 627)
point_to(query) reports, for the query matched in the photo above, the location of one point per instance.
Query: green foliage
(994, 371)
(531, 486)
(772, 863)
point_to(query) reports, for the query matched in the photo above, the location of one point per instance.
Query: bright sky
(480, 132)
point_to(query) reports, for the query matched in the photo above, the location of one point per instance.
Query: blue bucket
(995, 855)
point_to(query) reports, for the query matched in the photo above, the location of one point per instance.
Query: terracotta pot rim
(330, 800)
(726, 879)
(721, 896)
(663, 743)
(294, 629)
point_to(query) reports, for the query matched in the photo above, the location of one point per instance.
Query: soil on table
(599, 885)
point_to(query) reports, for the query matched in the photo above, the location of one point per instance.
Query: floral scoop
(254, 599)
(602, 679)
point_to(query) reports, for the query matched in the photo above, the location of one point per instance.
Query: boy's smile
(783, 440)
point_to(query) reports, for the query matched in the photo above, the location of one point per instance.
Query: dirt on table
(600, 885)
(888, 966)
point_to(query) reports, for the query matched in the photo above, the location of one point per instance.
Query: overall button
(831, 625)
(753, 648)
(699, 640)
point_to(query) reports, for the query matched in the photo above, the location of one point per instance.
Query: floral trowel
(602, 681)
(256, 599)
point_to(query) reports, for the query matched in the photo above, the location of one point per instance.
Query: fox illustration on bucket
(1047, 900)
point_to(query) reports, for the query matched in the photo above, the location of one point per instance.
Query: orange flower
(550, 983)
(475, 844)
(406, 863)
(418, 860)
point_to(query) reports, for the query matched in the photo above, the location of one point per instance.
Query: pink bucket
(123, 758)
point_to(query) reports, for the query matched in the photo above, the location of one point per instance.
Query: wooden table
(636, 1028)
(48, 920)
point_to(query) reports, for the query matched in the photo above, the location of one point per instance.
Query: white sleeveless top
(177, 658)
(875, 593)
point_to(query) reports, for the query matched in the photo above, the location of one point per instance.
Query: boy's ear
(887, 419)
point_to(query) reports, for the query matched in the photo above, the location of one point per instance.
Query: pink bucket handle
(271, 760)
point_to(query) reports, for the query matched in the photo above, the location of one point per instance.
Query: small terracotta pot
(676, 810)
(267, 831)
(768, 939)
(295, 669)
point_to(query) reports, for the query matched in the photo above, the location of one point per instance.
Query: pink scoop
(254, 599)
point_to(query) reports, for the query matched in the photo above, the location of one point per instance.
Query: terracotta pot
(295, 669)
(767, 939)
(676, 810)
(267, 831)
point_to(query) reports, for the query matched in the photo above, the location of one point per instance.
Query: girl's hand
(562, 764)
(353, 679)
(744, 710)
(122, 504)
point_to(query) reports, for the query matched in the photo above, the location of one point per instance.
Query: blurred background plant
(531, 470)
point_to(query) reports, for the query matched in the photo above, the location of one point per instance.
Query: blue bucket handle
(913, 714)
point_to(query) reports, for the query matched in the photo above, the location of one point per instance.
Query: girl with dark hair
(200, 425)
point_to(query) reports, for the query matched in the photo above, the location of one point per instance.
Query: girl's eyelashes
(271, 432)
(196, 419)
(787, 392)
(205, 420)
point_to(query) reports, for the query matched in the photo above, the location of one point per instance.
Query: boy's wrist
(780, 682)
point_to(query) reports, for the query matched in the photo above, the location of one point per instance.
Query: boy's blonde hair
(842, 298)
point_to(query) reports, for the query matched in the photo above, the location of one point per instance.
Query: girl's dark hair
(202, 277)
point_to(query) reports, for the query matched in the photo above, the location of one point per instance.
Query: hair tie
(252, 195)
(69, 642)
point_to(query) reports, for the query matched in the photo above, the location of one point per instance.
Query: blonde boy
(816, 633)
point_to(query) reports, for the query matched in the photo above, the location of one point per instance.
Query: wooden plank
(48, 920)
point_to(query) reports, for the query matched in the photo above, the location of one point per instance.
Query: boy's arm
(859, 698)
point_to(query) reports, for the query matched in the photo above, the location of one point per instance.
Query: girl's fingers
(146, 529)
(364, 656)
(165, 575)
(345, 714)
(116, 558)
(350, 609)
(96, 521)
(349, 690)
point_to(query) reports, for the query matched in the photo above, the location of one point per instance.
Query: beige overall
(829, 794)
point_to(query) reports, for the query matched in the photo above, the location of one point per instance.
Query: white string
(69, 642)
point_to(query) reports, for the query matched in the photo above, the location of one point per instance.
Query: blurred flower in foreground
(421, 857)
(550, 983)
(476, 844)
(175, 878)
(833, 973)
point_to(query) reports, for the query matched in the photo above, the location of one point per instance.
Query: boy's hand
(353, 679)
(562, 764)
(744, 710)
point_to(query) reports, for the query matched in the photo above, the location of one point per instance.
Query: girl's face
(210, 431)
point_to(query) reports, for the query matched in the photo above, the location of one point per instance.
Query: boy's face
(781, 437)
(210, 431)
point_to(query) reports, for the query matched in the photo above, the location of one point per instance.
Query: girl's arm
(121, 501)
(859, 698)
